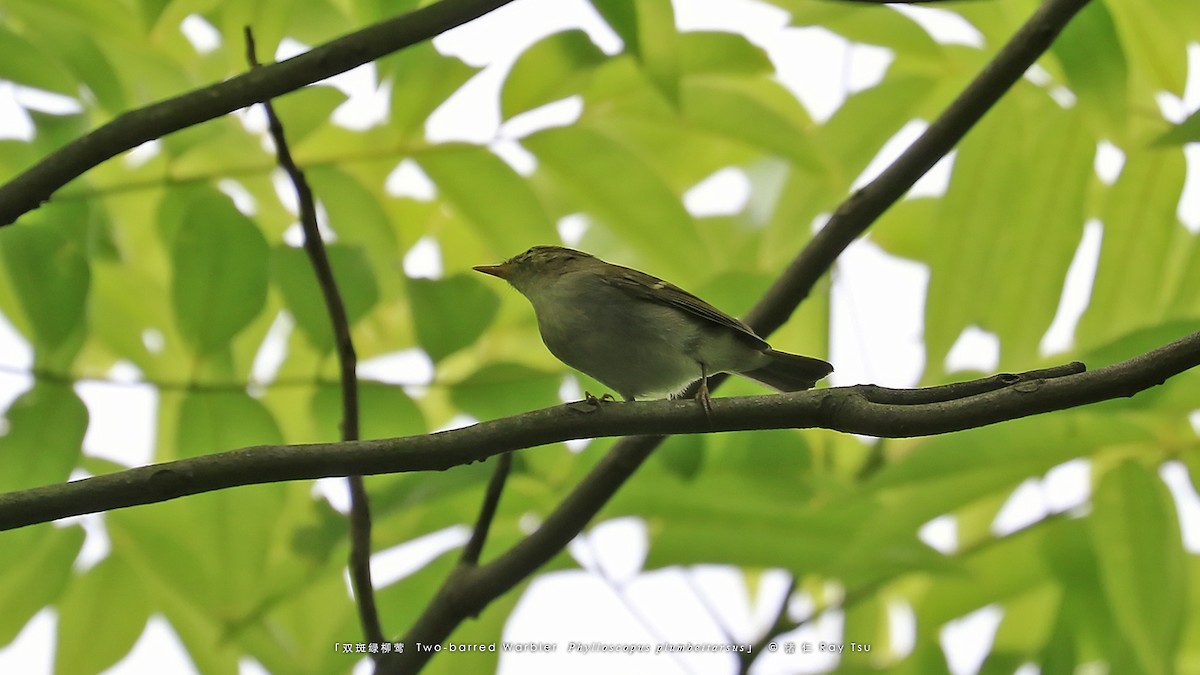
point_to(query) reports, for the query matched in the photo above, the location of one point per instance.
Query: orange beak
(500, 270)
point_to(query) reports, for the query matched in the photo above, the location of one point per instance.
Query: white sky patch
(560, 113)
(1068, 486)
(725, 192)
(571, 228)
(153, 340)
(966, 641)
(877, 329)
(47, 102)
(96, 542)
(932, 184)
(1064, 97)
(122, 419)
(1023, 508)
(1077, 290)
(943, 26)
(1187, 502)
(158, 650)
(902, 627)
(17, 123)
(204, 38)
(1109, 161)
(243, 201)
(620, 547)
(1189, 201)
(273, 350)
(424, 259)
(408, 367)
(139, 156)
(33, 649)
(367, 104)
(335, 491)
(975, 349)
(940, 534)
(393, 564)
(514, 155)
(408, 179)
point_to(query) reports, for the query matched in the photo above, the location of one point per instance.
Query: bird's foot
(591, 403)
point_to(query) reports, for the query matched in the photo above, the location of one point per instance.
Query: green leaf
(554, 68)
(1093, 61)
(1141, 560)
(24, 63)
(293, 273)
(44, 441)
(212, 422)
(1139, 265)
(100, 617)
(490, 195)
(501, 389)
(306, 110)
(622, 189)
(1187, 131)
(714, 52)
(450, 313)
(648, 30)
(868, 24)
(421, 80)
(37, 564)
(220, 279)
(1018, 192)
(384, 411)
(759, 112)
(48, 268)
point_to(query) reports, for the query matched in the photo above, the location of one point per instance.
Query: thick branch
(28, 190)
(848, 409)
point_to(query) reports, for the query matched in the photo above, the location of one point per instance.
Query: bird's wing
(653, 289)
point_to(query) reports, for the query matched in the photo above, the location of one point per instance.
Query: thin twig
(314, 246)
(491, 499)
(780, 625)
(850, 220)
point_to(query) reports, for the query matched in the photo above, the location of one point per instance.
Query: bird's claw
(591, 403)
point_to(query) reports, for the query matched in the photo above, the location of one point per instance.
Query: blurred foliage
(150, 260)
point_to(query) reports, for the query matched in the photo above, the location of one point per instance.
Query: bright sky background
(876, 337)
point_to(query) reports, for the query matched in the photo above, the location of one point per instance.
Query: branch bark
(35, 185)
(848, 409)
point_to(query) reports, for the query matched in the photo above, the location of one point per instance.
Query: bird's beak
(502, 270)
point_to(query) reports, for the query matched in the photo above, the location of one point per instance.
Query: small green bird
(640, 335)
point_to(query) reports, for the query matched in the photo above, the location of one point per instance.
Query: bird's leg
(702, 393)
(592, 401)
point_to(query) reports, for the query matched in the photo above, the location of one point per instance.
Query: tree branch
(775, 307)
(847, 409)
(129, 130)
(491, 499)
(314, 247)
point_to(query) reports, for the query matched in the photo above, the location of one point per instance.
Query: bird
(641, 336)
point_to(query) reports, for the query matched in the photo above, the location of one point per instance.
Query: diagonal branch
(314, 246)
(491, 499)
(847, 409)
(129, 130)
(850, 220)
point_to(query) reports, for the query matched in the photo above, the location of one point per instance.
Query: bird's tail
(790, 372)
